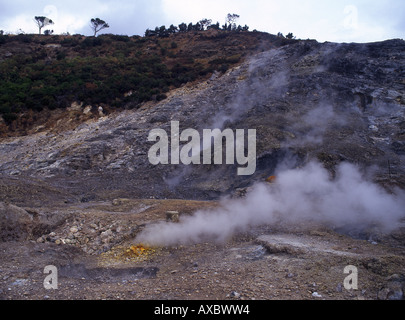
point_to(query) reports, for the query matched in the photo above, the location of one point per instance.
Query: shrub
(26, 38)
(223, 68)
(70, 42)
(61, 55)
(3, 39)
(96, 75)
(119, 38)
(9, 117)
(161, 97)
(91, 42)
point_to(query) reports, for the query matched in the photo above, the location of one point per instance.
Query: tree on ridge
(97, 24)
(42, 22)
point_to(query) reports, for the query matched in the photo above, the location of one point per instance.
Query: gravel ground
(266, 263)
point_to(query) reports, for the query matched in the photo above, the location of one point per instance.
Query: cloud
(193, 11)
(315, 19)
(70, 17)
(124, 17)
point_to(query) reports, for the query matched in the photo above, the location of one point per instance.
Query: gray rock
(106, 234)
(15, 223)
(391, 291)
(73, 229)
(172, 216)
(159, 118)
(20, 282)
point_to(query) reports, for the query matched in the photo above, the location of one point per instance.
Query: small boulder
(172, 216)
(16, 224)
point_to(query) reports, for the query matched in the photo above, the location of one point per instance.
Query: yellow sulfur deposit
(138, 250)
(121, 254)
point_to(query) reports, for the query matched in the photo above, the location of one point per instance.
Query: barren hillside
(78, 188)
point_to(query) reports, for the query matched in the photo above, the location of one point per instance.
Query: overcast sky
(323, 20)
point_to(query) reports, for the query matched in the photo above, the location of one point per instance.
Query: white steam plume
(299, 195)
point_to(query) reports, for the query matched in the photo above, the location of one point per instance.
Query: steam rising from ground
(299, 195)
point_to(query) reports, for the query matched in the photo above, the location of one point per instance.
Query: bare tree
(231, 20)
(97, 25)
(290, 36)
(42, 22)
(205, 23)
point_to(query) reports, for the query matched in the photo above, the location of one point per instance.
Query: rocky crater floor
(77, 198)
(90, 245)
